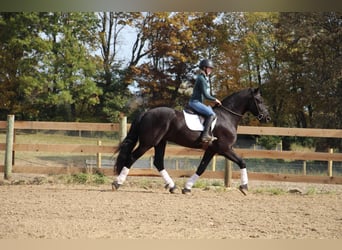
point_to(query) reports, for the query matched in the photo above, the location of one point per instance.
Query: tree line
(58, 66)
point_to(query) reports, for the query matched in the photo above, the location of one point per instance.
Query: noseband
(260, 115)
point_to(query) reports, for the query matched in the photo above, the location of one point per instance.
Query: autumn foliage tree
(171, 56)
(310, 79)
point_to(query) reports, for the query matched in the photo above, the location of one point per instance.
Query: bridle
(260, 115)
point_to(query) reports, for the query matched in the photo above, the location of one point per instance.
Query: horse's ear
(256, 91)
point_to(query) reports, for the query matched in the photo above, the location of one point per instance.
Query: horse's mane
(230, 99)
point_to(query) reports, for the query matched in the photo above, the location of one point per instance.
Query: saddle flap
(195, 122)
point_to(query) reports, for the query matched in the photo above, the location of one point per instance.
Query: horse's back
(163, 119)
(164, 113)
(159, 117)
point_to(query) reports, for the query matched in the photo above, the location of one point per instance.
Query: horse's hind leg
(159, 152)
(136, 154)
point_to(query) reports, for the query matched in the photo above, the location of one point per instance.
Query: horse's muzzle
(262, 117)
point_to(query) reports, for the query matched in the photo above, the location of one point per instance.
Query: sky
(127, 38)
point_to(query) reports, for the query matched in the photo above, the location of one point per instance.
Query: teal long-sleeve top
(201, 89)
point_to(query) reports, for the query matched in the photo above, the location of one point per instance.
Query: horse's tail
(127, 145)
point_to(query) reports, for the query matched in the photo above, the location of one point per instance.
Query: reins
(230, 111)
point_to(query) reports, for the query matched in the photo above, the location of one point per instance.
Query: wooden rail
(64, 148)
(67, 126)
(176, 150)
(278, 131)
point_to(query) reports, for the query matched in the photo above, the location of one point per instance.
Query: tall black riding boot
(206, 137)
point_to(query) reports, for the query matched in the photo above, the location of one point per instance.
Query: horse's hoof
(171, 190)
(186, 191)
(243, 189)
(115, 185)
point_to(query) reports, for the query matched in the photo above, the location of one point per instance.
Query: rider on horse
(201, 92)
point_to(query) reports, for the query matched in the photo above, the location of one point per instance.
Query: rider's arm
(204, 89)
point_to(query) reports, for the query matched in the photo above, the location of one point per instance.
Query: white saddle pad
(193, 122)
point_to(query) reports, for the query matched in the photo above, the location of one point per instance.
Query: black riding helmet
(206, 63)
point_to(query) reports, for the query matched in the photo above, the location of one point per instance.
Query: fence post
(330, 163)
(304, 167)
(228, 174)
(177, 164)
(213, 166)
(123, 128)
(98, 156)
(9, 147)
(151, 162)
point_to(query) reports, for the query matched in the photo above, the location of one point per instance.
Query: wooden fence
(10, 147)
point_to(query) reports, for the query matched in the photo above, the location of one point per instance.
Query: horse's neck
(236, 106)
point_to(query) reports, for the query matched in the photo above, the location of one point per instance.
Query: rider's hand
(217, 101)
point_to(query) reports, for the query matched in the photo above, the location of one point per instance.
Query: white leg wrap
(167, 178)
(122, 176)
(244, 177)
(191, 181)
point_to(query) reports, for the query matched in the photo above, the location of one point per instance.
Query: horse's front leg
(208, 155)
(159, 163)
(231, 155)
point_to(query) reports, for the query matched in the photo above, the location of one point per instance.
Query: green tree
(112, 74)
(69, 68)
(22, 49)
(47, 69)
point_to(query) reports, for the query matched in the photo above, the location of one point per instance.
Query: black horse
(156, 126)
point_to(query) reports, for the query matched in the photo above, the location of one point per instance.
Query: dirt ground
(142, 209)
